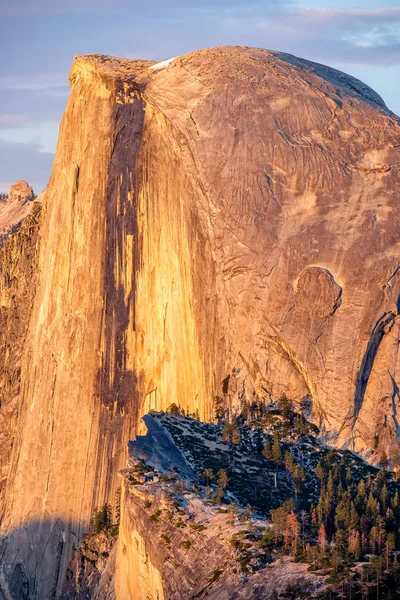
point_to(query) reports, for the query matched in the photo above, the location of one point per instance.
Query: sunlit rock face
(14, 207)
(21, 191)
(18, 279)
(232, 212)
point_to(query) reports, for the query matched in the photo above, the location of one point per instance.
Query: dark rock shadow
(36, 570)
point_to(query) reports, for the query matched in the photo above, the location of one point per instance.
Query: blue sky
(40, 38)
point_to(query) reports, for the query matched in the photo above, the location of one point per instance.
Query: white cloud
(353, 36)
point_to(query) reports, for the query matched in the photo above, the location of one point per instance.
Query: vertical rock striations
(18, 280)
(87, 365)
(230, 212)
(14, 207)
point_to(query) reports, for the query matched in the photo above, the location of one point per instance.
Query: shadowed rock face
(234, 212)
(157, 449)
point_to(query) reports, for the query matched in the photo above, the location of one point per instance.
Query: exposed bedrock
(232, 213)
(18, 279)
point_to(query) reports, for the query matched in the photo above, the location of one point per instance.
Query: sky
(39, 39)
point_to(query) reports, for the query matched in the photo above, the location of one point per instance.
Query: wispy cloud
(344, 14)
(22, 8)
(353, 36)
(26, 101)
(26, 83)
(378, 22)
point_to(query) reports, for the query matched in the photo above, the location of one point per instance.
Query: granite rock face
(188, 554)
(14, 208)
(18, 279)
(91, 571)
(231, 212)
(21, 191)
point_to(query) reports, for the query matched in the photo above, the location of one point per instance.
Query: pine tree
(320, 510)
(304, 520)
(267, 452)
(360, 498)
(389, 547)
(289, 462)
(117, 506)
(375, 539)
(285, 405)
(364, 542)
(330, 489)
(341, 515)
(207, 475)
(174, 410)
(340, 541)
(381, 533)
(314, 516)
(279, 519)
(102, 518)
(292, 531)
(357, 551)
(371, 505)
(322, 539)
(276, 448)
(384, 497)
(222, 479)
(354, 543)
(319, 472)
(231, 434)
(349, 476)
(353, 519)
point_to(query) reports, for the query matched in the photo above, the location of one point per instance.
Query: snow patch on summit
(163, 64)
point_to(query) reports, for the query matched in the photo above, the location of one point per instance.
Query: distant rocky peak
(21, 191)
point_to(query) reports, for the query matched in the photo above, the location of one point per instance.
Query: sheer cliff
(18, 277)
(232, 212)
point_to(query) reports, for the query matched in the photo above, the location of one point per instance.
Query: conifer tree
(384, 460)
(207, 475)
(384, 496)
(319, 472)
(353, 519)
(222, 479)
(267, 452)
(276, 448)
(231, 434)
(349, 476)
(117, 506)
(292, 531)
(322, 539)
(289, 462)
(389, 547)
